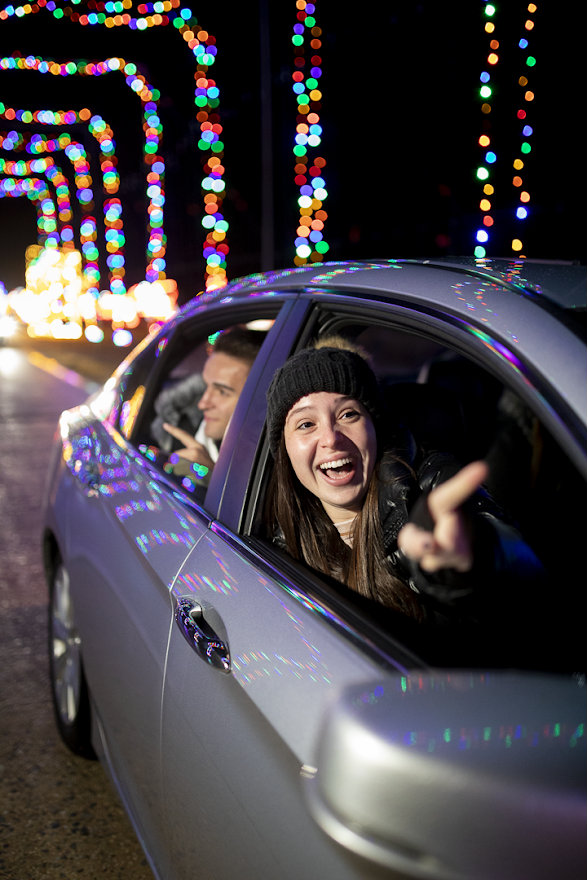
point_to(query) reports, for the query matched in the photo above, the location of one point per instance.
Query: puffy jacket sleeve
(504, 564)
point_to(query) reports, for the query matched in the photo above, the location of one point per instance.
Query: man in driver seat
(193, 416)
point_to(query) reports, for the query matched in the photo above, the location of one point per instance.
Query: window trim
(230, 482)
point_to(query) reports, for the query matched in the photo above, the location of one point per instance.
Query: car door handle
(189, 617)
(88, 476)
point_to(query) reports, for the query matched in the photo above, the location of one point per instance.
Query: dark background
(401, 117)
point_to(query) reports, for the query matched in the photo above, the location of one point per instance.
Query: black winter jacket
(505, 569)
(178, 406)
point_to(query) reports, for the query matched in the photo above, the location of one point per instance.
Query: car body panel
(120, 573)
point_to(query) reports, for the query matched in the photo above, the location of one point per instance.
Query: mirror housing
(458, 776)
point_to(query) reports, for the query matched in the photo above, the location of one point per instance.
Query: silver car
(257, 722)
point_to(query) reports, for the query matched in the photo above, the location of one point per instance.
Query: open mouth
(337, 469)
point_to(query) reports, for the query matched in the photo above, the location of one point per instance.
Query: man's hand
(449, 545)
(193, 450)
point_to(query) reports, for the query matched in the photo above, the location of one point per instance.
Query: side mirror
(458, 776)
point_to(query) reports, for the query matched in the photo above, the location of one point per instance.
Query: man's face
(225, 377)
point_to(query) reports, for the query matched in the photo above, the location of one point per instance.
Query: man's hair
(240, 342)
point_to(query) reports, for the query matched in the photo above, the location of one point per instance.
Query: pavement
(93, 362)
(59, 816)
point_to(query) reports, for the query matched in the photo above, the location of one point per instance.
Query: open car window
(175, 387)
(456, 403)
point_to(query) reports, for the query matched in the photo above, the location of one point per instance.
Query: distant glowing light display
(50, 302)
(309, 243)
(77, 156)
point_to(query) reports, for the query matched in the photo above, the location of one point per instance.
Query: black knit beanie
(321, 369)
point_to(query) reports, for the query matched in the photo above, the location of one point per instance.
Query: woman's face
(332, 446)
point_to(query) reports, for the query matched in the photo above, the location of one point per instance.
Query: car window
(451, 402)
(175, 395)
(123, 393)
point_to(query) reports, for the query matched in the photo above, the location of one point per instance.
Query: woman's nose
(329, 434)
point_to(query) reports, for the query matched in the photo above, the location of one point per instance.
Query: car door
(130, 525)
(127, 534)
(233, 744)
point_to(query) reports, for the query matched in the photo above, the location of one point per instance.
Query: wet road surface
(59, 817)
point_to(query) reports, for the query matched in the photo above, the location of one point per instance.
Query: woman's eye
(350, 414)
(304, 425)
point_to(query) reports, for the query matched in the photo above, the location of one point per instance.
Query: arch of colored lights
(309, 243)
(103, 134)
(37, 191)
(487, 77)
(23, 168)
(203, 47)
(111, 181)
(76, 153)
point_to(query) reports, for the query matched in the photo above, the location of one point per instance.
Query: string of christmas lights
(203, 47)
(309, 242)
(482, 234)
(526, 132)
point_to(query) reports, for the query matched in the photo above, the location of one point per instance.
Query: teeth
(335, 464)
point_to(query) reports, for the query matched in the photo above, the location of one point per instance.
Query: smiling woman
(331, 443)
(358, 501)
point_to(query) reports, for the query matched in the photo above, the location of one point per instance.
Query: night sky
(401, 118)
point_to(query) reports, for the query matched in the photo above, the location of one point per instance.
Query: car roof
(563, 284)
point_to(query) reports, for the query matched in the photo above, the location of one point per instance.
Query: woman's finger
(415, 542)
(449, 496)
(447, 547)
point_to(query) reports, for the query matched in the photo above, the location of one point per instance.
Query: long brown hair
(311, 537)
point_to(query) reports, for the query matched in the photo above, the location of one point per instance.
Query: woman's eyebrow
(298, 409)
